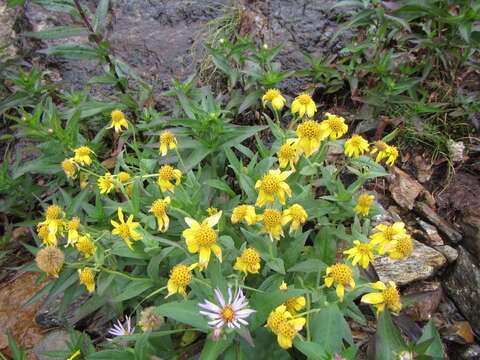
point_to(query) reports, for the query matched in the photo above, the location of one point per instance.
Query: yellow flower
(287, 330)
(341, 275)
(126, 230)
(302, 104)
(52, 225)
(118, 121)
(392, 153)
(72, 227)
(364, 203)
(165, 174)
(283, 286)
(400, 248)
(248, 262)
(273, 220)
(288, 154)
(273, 184)
(87, 278)
(276, 317)
(167, 139)
(385, 151)
(74, 355)
(202, 239)
(388, 296)
(125, 177)
(50, 259)
(82, 155)
(83, 180)
(310, 134)
(361, 253)
(53, 212)
(86, 246)
(180, 277)
(334, 126)
(386, 234)
(159, 209)
(274, 96)
(356, 145)
(70, 168)
(296, 214)
(212, 211)
(295, 303)
(105, 183)
(242, 212)
(42, 230)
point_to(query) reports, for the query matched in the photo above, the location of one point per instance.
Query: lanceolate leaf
(58, 32)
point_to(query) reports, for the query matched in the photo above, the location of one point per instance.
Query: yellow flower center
(365, 200)
(205, 236)
(341, 273)
(227, 313)
(83, 151)
(117, 116)
(270, 184)
(68, 166)
(272, 217)
(73, 224)
(124, 230)
(158, 207)
(53, 212)
(124, 176)
(363, 249)
(404, 244)
(356, 140)
(166, 172)
(381, 146)
(335, 123)
(180, 275)
(309, 129)
(391, 296)
(286, 329)
(271, 94)
(286, 151)
(304, 99)
(291, 303)
(388, 233)
(274, 319)
(240, 211)
(167, 137)
(297, 213)
(84, 245)
(86, 276)
(250, 257)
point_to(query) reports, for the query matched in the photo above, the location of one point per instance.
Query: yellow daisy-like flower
(364, 203)
(180, 277)
(70, 168)
(42, 232)
(273, 184)
(334, 126)
(288, 154)
(212, 211)
(125, 177)
(87, 278)
(118, 121)
(165, 175)
(385, 151)
(392, 152)
(167, 139)
(82, 155)
(248, 262)
(400, 248)
(361, 253)
(52, 225)
(202, 239)
(302, 104)
(105, 183)
(287, 330)
(159, 209)
(356, 145)
(295, 303)
(296, 214)
(387, 297)
(273, 220)
(311, 135)
(242, 212)
(72, 227)
(386, 234)
(276, 317)
(86, 245)
(274, 96)
(126, 230)
(342, 276)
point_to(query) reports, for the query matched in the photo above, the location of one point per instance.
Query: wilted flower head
(159, 209)
(50, 259)
(248, 262)
(302, 104)
(69, 167)
(165, 175)
(118, 121)
(86, 245)
(105, 183)
(242, 212)
(274, 96)
(167, 140)
(87, 278)
(150, 320)
(231, 313)
(385, 151)
(82, 155)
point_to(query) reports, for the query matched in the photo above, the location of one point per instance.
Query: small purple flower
(233, 313)
(120, 329)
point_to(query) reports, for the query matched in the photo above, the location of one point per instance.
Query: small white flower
(233, 313)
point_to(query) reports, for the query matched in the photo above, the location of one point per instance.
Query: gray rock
(432, 234)
(420, 265)
(48, 315)
(54, 341)
(463, 286)
(471, 353)
(450, 253)
(445, 228)
(8, 37)
(471, 230)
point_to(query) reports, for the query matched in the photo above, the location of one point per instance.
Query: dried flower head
(150, 320)
(50, 259)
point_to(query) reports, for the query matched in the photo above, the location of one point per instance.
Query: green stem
(202, 282)
(252, 289)
(181, 160)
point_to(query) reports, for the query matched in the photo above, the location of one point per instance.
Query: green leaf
(186, 312)
(220, 185)
(435, 349)
(142, 346)
(277, 265)
(308, 266)
(100, 16)
(310, 349)
(330, 329)
(72, 51)
(213, 348)
(58, 32)
(133, 289)
(250, 100)
(111, 354)
(388, 340)
(12, 3)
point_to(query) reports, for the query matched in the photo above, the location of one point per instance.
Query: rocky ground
(156, 39)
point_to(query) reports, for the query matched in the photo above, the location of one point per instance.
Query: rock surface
(442, 225)
(53, 341)
(431, 296)
(463, 286)
(48, 315)
(420, 265)
(404, 188)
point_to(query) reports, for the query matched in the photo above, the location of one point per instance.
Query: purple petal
(229, 295)
(241, 321)
(220, 297)
(210, 306)
(210, 315)
(244, 313)
(216, 323)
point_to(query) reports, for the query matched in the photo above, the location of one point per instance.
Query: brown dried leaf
(463, 329)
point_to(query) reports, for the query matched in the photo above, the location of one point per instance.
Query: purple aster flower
(232, 312)
(120, 329)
